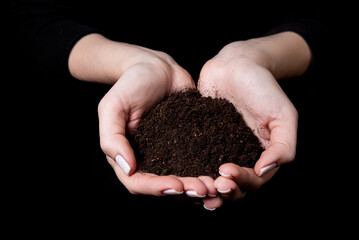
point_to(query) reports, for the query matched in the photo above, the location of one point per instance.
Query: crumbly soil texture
(189, 135)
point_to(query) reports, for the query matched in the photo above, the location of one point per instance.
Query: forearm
(284, 54)
(95, 58)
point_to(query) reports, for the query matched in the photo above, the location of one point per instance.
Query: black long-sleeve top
(47, 30)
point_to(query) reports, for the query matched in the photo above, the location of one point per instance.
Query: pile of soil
(187, 134)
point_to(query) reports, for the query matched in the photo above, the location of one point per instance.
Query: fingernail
(209, 209)
(172, 192)
(225, 191)
(194, 194)
(266, 169)
(224, 175)
(123, 164)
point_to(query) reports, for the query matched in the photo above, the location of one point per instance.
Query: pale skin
(244, 72)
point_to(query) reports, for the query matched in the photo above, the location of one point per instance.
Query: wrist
(284, 54)
(246, 52)
(95, 58)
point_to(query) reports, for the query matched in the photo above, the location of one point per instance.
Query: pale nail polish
(224, 191)
(209, 209)
(194, 194)
(123, 164)
(266, 169)
(224, 175)
(172, 192)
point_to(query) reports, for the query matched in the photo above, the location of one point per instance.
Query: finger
(228, 188)
(208, 182)
(112, 125)
(282, 148)
(119, 147)
(246, 178)
(193, 187)
(212, 203)
(271, 158)
(147, 183)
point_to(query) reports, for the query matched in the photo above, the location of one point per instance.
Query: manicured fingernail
(194, 194)
(225, 191)
(209, 209)
(172, 192)
(123, 164)
(225, 175)
(266, 169)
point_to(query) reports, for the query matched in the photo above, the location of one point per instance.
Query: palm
(260, 100)
(138, 89)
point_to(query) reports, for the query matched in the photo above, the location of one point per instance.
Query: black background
(59, 175)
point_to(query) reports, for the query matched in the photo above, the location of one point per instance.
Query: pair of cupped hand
(249, 86)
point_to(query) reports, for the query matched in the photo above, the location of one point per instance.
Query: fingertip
(172, 182)
(172, 192)
(208, 182)
(225, 175)
(224, 185)
(276, 155)
(194, 187)
(128, 167)
(119, 149)
(123, 164)
(228, 189)
(279, 153)
(227, 170)
(212, 203)
(266, 169)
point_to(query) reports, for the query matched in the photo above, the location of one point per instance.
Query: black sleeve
(312, 25)
(46, 31)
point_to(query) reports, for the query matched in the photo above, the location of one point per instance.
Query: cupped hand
(265, 108)
(151, 77)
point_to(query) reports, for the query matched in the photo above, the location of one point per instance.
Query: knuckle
(212, 76)
(214, 68)
(232, 48)
(131, 191)
(105, 144)
(101, 105)
(289, 152)
(165, 57)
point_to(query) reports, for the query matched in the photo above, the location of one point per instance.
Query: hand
(141, 77)
(265, 108)
(153, 76)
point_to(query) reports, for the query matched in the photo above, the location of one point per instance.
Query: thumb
(113, 141)
(282, 149)
(276, 155)
(118, 148)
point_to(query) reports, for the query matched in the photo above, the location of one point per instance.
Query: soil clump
(189, 135)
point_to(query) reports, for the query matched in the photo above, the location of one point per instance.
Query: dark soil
(187, 134)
